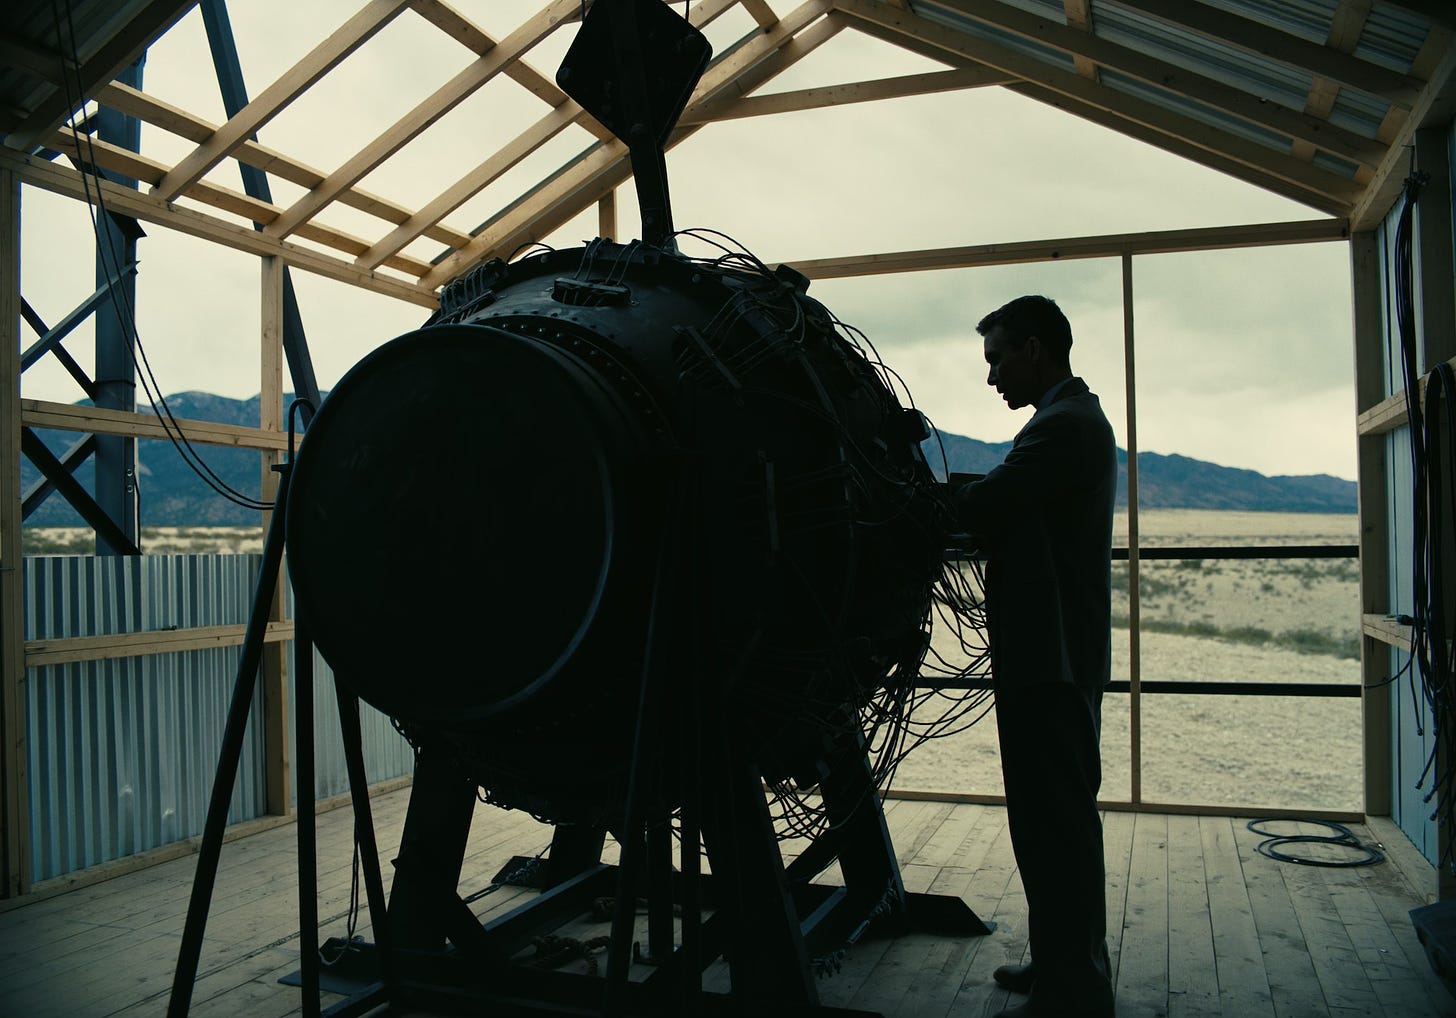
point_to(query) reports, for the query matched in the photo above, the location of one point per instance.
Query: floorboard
(1200, 925)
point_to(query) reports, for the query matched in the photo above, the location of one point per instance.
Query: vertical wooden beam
(1134, 606)
(607, 215)
(275, 655)
(15, 839)
(1368, 309)
(1435, 310)
(1435, 269)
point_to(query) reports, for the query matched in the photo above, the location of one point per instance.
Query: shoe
(1016, 978)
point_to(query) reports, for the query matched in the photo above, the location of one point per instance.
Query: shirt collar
(1051, 394)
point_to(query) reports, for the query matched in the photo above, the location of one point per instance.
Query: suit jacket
(1044, 519)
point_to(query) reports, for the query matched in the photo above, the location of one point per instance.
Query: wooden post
(275, 655)
(1375, 699)
(1436, 328)
(14, 794)
(1435, 311)
(1134, 612)
(607, 215)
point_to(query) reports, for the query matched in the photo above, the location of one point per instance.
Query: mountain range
(172, 494)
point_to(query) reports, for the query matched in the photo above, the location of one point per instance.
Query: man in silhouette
(1043, 518)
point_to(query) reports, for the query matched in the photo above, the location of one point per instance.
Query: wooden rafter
(724, 95)
(604, 166)
(467, 33)
(854, 92)
(149, 208)
(1079, 18)
(149, 171)
(428, 111)
(150, 110)
(1132, 129)
(502, 160)
(472, 183)
(1345, 28)
(1312, 231)
(1200, 88)
(761, 12)
(1083, 94)
(275, 98)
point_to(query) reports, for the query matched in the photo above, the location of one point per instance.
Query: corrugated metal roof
(1309, 19)
(1241, 69)
(1392, 37)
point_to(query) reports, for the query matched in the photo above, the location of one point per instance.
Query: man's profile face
(1013, 370)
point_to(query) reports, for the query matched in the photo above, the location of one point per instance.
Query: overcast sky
(1244, 358)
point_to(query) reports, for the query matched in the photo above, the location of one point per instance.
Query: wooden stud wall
(274, 662)
(15, 839)
(1368, 310)
(1134, 613)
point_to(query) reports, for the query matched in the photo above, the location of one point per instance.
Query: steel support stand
(180, 1002)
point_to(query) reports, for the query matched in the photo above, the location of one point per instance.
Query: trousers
(1051, 766)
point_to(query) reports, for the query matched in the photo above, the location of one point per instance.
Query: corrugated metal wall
(1412, 726)
(122, 752)
(386, 753)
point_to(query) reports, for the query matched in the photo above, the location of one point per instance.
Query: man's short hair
(1032, 315)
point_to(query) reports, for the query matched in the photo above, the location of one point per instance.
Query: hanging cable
(1432, 684)
(120, 300)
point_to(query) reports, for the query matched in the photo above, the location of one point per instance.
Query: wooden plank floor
(1200, 924)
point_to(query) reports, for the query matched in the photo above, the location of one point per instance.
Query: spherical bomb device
(621, 530)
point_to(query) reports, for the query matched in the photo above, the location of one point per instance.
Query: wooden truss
(1304, 154)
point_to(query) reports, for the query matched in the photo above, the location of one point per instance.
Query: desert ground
(1266, 620)
(1257, 620)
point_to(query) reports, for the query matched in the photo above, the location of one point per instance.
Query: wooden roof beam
(460, 28)
(761, 12)
(436, 105)
(604, 166)
(1222, 144)
(1346, 26)
(468, 186)
(1079, 18)
(275, 98)
(842, 95)
(174, 120)
(147, 207)
(149, 171)
(1315, 131)
(502, 160)
(817, 98)
(1372, 79)
(1217, 238)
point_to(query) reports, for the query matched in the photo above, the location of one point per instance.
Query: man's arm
(1038, 468)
